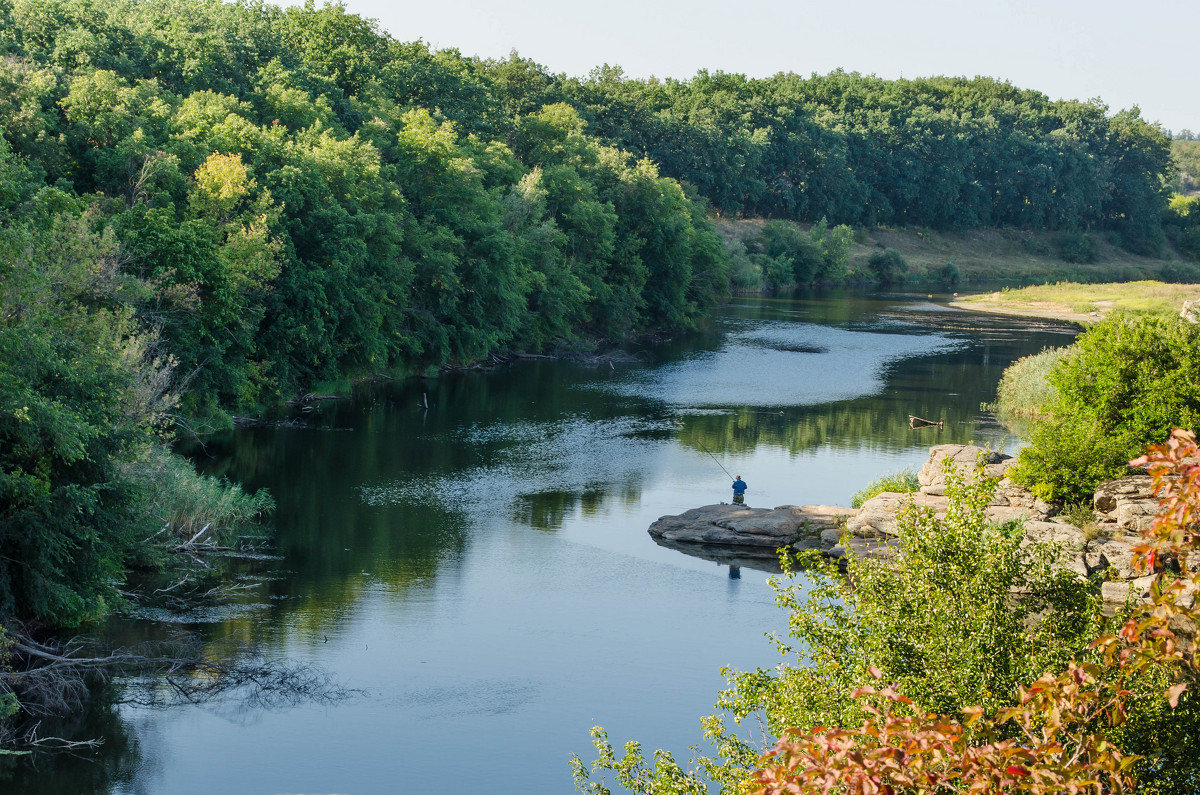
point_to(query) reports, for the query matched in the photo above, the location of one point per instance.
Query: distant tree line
(938, 152)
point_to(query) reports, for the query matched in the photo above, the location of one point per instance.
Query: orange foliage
(1059, 745)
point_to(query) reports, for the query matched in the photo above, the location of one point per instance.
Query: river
(469, 555)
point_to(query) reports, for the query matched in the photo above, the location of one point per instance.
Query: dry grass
(1085, 303)
(1009, 255)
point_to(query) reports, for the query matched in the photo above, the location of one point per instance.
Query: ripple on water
(781, 364)
(569, 455)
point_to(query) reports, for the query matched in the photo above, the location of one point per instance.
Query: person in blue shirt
(739, 490)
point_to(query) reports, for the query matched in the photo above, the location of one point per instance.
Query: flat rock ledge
(1123, 507)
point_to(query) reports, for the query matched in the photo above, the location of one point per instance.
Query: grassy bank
(1084, 303)
(977, 255)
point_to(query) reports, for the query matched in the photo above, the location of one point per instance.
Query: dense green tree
(1126, 383)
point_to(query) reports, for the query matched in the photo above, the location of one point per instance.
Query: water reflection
(472, 548)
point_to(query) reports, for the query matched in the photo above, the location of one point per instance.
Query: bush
(786, 240)
(1078, 247)
(184, 502)
(947, 273)
(834, 245)
(744, 273)
(887, 265)
(939, 621)
(902, 482)
(1024, 389)
(1126, 384)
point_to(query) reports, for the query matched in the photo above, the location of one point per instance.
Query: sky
(1125, 54)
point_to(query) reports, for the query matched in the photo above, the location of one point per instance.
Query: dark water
(480, 570)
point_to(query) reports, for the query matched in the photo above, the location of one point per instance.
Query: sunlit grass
(904, 482)
(1024, 391)
(1141, 298)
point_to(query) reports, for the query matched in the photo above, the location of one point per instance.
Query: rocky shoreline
(1123, 508)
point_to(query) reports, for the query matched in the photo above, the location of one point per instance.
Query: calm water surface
(480, 569)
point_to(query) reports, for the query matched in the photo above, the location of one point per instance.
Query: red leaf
(1173, 694)
(1014, 770)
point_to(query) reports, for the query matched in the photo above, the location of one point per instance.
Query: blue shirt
(739, 487)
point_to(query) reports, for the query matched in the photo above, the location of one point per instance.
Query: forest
(208, 208)
(301, 197)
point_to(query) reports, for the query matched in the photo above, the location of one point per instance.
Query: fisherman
(739, 490)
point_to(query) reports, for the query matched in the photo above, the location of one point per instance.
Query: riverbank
(1083, 303)
(1101, 545)
(1013, 256)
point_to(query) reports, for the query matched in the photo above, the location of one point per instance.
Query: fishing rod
(714, 458)
(710, 455)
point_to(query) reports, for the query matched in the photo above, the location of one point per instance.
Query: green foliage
(834, 245)
(940, 152)
(309, 199)
(1077, 247)
(947, 273)
(78, 392)
(1185, 154)
(1181, 221)
(902, 482)
(940, 621)
(1126, 383)
(1024, 387)
(185, 503)
(887, 265)
(786, 242)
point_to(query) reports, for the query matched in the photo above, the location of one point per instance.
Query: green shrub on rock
(939, 621)
(1128, 382)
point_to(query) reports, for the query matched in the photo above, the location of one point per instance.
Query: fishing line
(714, 458)
(710, 455)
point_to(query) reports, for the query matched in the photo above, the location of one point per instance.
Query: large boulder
(1128, 502)
(877, 518)
(932, 476)
(739, 525)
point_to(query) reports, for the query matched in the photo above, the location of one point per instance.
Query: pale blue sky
(1122, 52)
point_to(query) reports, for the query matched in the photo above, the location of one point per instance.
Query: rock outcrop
(1123, 508)
(740, 525)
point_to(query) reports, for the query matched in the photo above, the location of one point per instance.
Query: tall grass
(184, 501)
(1024, 391)
(904, 482)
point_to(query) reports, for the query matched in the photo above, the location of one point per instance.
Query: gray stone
(1116, 553)
(1070, 536)
(932, 477)
(865, 548)
(830, 538)
(738, 525)
(877, 516)
(1110, 493)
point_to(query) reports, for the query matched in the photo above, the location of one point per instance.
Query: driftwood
(53, 679)
(915, 422)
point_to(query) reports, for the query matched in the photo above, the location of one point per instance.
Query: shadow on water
(386, 500)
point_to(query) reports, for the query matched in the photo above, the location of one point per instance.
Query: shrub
(947, 273)
(185, 502)
(1078, 247)
(786, 240)
(1125, 720)
(903, 482)
(834, 246)
(887, 265)
(1024, 390)
(744, 273)
(939, 620)
(1126, 384)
